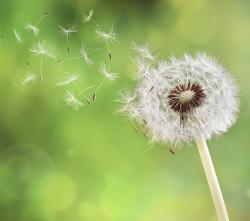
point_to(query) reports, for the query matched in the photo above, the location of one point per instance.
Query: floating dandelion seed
(84, 54)
(18, 36)
(108, 37)
(29, 78)
(41, 18)
(40, 49)
(71, 78)
(185, 100)
(107, 74)
(72, 100)
(32, 28)
(104, 70)
(67, 32)
(88, 17)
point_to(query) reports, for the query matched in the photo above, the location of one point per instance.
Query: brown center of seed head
(185, 97)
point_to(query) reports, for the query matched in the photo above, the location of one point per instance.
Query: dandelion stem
(212, 180)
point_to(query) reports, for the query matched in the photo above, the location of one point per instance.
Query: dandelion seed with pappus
(108, 37)
(72, 100)
(18, 36)
(30, 78)
(184, 100)
(68, 80)
(67, 32)
(32, 28)
(107, 74)
(40, 49)
(41, 18)
(88, 17)
(104, 70)
(84, 54)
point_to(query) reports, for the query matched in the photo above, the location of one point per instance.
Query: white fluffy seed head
(183, 99)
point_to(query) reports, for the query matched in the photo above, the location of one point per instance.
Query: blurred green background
(57, 164)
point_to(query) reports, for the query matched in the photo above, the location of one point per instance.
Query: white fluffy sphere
(183, 99)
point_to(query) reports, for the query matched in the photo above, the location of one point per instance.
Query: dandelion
(68, 80)
(190, 99)
(88, 17)
(67, 32)
(107, 74)
(32, 28)
(40, 49)
(72, 100)
(108, 37)
(18, 36)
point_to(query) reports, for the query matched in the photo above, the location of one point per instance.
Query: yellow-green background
(57, 164)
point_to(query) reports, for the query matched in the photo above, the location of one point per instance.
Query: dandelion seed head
(108, 36)
(88, 17)
(72, 100)
(32, 28)
(183, 99)
(40, 49)
(107, 74)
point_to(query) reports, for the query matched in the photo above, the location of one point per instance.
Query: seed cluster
(185, 97)
(75, 95)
